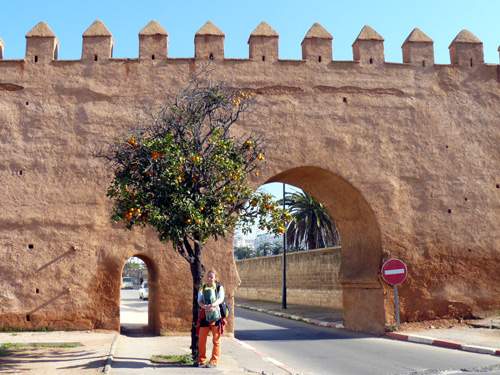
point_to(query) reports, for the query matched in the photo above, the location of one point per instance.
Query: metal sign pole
(283, 292)
(396, 305)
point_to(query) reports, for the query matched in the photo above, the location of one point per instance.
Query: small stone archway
(363, 293)
(153, 303)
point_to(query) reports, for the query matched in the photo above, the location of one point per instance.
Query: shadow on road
(135, 330)
(257, 326)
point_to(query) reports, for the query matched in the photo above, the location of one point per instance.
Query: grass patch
(9, 347)
(16, 329)
(173, 359)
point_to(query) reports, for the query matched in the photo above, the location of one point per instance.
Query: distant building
(240, 240)
(267, 238)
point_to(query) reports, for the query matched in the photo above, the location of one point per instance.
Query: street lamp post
(283, 292)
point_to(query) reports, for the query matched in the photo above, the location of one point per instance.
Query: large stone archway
(363, 296)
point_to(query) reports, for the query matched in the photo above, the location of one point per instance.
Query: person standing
(210, 297)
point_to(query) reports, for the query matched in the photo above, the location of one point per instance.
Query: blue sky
(440, 19)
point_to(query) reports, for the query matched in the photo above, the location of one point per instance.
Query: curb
(109, 359)
(298, 318)
(265, 357)
(443, 343)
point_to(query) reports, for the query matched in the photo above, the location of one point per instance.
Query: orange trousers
(202, 344)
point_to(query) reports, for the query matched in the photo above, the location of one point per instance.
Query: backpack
(209, 296)
(224, 307)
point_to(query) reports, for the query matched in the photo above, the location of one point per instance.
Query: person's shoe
(212, 365)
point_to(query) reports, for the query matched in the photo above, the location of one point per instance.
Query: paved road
(133, 311)
(315, 350)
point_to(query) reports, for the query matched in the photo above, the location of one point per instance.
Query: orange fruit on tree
(132, 141)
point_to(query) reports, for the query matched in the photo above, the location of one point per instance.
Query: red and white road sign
(394, 271)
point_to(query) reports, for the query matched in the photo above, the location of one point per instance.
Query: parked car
(144, 291)
(128, 283)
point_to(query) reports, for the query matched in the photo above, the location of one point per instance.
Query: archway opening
(360, 296)
(137, 296)
(313, 255)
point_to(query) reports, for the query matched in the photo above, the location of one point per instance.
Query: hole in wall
(469, 250)
(371, 60)
(446, 146)
(28, 317)
(211, 56)
(27, 103)
(423, 63)
(449, 210)
(263, 58)
(36, 59)
(20, 173)
(498, 186)
(344, 99)
(37, 291)
(96, 57)
(471, 61)
(319, 58)
(466, 199)
(31, 246)
(152, 57)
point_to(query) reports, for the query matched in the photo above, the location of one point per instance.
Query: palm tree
(311, 227)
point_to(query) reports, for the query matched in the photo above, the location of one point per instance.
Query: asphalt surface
(133, 311)
(310, 349)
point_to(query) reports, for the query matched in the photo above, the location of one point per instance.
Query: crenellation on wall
(263, 44)
(418, 49)
(317, 45)
(97, 43)
(153, 42)
(41, 44)
(466, 50)
(368, 48)
(209, 43)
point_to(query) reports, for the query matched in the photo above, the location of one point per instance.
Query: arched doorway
(361, 254)
(138, 295)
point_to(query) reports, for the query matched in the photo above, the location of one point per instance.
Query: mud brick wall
(312, 278)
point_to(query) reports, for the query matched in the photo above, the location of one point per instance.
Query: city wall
(404, 156)
(312, 278)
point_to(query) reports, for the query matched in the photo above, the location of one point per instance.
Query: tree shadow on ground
(25, 361)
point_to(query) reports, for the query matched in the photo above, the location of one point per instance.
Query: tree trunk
(197, 275)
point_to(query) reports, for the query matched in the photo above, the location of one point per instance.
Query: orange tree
(186, 175)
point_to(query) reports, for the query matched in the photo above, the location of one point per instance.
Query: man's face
(211, 277)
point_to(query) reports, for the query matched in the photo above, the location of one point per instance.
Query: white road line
(398, 271)
(266, 358)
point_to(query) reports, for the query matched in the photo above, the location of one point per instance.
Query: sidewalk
(132, 356)
(479, 336)
(86, 359)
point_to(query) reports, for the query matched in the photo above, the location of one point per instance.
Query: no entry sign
(394, 271)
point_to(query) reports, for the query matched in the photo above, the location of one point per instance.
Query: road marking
(266, 358)
(398, 271)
